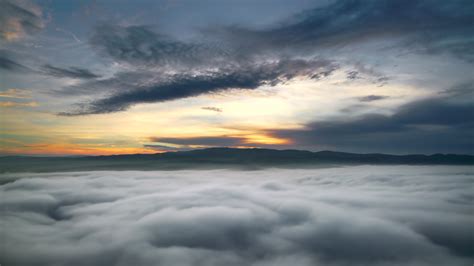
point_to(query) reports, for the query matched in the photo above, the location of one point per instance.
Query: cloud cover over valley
(362, 215)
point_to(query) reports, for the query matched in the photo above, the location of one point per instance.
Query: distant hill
(215, 158)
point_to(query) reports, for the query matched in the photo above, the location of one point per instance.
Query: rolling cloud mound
(361, 215)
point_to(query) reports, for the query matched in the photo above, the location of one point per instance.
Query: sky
(120, 77)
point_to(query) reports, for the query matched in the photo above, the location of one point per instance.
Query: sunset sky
(119, 77)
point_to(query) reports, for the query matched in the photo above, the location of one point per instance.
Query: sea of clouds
(359, 215)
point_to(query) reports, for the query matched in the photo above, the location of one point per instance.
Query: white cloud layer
(363, 215)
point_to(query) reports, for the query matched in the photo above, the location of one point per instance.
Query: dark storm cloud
(204, 141)
(365, 215)
(18, 18)
(430, 125)
(437, 25)
(371, 98)
(179, 86)
(71, 72)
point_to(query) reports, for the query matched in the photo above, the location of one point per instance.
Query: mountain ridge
(217, 158)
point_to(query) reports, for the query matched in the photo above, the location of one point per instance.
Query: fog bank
(360, 215)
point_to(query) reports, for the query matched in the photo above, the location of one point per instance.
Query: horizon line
(224, 147)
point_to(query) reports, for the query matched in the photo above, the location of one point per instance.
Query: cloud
(212, 108)
(157, 67)
(141, 46)
(352, 75)
(463, 90)
(363, 71)
(74, 37)
(72, 72)
(10, 64)
(19, 18)
(434, 26)
(184, 85)
(165, 147)
(371, 98)
(221, 141)
(162, 69)
(363, 215)
(18, 104)
(15, 93)
(440, 124)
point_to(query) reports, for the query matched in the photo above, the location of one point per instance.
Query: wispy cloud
(71, 72)
(371, 98)
(19, 18)
(9, 63)
(15, 93)
(430, 25)
(143, 47)
(18, 104)
(69, 33)
(212, 108)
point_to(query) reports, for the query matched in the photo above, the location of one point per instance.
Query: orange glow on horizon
(266, 140)
(72, 149)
